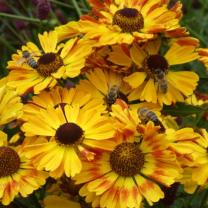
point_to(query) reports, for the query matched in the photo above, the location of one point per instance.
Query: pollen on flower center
(128, 19)
(49, 63)
(69, 133)
(127, 159)
(155, 62)
(9, 161)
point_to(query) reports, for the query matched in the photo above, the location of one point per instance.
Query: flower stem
(12, 16)
(194, 33)
(67, 5)
(7, 45)
(76, 6)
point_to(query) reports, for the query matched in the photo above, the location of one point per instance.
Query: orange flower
(17, 173)
(203, 53)
(124, 176)
(123, 21)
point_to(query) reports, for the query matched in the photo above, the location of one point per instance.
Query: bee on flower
(68, 131)
(152, 78)
(34, 69)
(132, 169)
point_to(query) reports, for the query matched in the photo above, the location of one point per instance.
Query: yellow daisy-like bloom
(59, 97)
(183, 143)
(190, 148)
(200, 171)
(130, 171)
(196, 161)
(112, 90)
(10, 104)
(123, 21)
(105, 85)
(153, 80)
(17, 174)
(68, 133)
(34, 69)
(203, 56)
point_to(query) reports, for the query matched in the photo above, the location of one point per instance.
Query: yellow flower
(61, 96)
(10, 104)
(64, 193)
(98, 59)
(105, 85)
(200, 169)
(183, 143)
(193, 100)
(68, 133)
(123, 21)
(44, 66)
(153, 80)
(17, 174)
(191, 150)
(131, 170)
(203, 56)
(142, 113)
(53, 201)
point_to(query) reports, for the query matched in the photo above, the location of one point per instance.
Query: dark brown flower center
(128, 19)
(156, 67)
(155, 63)
(127, 159)
(9, 161)
(69, 133)
(49, 63)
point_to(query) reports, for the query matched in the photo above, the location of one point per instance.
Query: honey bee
(27, 57)
(146, 115)
(112, 95)
(159, 76)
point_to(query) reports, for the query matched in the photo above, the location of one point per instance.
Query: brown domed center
(128, 19)
(9, 161)
(49, 63)
(155, 62)
(69, 133)
(127, 159)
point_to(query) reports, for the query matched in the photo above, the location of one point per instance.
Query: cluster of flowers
(86, 105)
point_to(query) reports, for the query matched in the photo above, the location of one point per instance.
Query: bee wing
(21, 61)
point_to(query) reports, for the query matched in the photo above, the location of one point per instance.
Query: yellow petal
(135, 79)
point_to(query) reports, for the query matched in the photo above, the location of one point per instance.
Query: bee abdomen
(163, 86)
(31, 62)
(147, 115)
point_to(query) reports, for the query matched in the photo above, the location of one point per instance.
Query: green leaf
(182, 109)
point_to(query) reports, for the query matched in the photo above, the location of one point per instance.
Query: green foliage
(190, 116)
